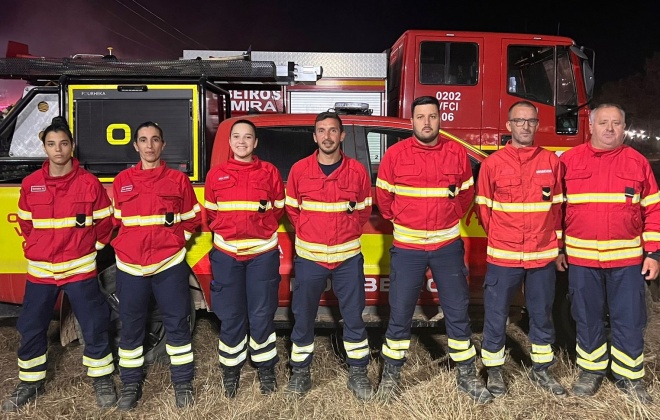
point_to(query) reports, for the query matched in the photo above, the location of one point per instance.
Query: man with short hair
(612, 238)
(328, 200)
(424, 188)
(519, 198)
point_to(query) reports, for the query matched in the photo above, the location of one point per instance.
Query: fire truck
(476, 76)
(104, 99)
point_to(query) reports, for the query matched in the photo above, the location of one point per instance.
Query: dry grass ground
(428, 385)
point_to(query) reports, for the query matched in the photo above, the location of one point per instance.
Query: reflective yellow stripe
(258, 346)
(66, 222)
(422, 192)
(95, 372)
(559, 233)
(522, 256)
(24, 214)
(264, 357)
(651, 236)
(291, 202)
(480, 199)
(246, 246)
(130, 354)
(541, 358)
(599, 198)
(602, 245)
(279, 204)
(131, 363)
(627, 373)
(102, 213)
(99, 246)
(117, 213)
(209, 205)
(174, 350)
(327, 253)
(31, 376)
(242, 206)
(45, 269)
(541, 348)
(357, 354)
(192, 213)
(300, 353)
(414, 236)
(231, 350)
(558, 199)
(233, 361)
(650, 199)
(603, 256)
(181, 359)
(352, 346)
(153, 220)
(338, 207)
(89, 362)
(493, 359)
(147, 270)
(627, 359)
(585, 364)
(459, 344)
(596, 354)
(29, 364)
(463, 355)
(522, 207)
(393, 353)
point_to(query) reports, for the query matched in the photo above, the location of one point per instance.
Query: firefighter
(65, 216)
(244, 199)
(424, 187)
(612, 243)
(519, 198)
(158, 212)
(328, 200)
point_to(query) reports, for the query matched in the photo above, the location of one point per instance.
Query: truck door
(449, 68)
(541, 72)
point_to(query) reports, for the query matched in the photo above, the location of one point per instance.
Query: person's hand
(650, 266)
(561, 263)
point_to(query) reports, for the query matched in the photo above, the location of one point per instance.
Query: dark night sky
(623, 36)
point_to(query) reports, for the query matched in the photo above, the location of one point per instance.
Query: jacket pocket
(505, 189)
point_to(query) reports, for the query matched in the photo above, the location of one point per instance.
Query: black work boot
(468, 382)
(300, 381)
(359, 384)
(587, 384)
(547, 381)
(635, 390)
(495, 383)
(183, 394)
(23, 394)
(106, 396)
(129, 397)
(267, 380)
(390, 383)
(231, 376)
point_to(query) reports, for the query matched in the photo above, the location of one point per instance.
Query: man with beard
(424, 188)
(328, 200)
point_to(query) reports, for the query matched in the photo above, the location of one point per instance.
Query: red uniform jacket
(64, 220)
(424, 191)
(244, 202)
(328, 212)
(158, 212)
(519, 200)
(612, 212)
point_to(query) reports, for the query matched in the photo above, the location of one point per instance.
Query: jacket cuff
(653, 255)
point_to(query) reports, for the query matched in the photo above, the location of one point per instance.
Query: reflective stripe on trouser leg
(348, 285)
(587, 292)
(134, 295)
(93, 314)
(172, 292)
(229, 303)
(407, 273)
(263, 283)
(32, 325)
(311, 280)
(450, 275)
(626, 297)
(500, 285)
(539, 298)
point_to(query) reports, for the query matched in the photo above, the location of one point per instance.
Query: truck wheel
(154, 339)
(565, 325)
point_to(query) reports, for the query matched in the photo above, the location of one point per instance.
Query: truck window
(567, 99)
(284, 146)
(448, 63)
(531, 72)
(379, 140)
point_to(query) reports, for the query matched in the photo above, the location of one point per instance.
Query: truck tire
(565, 325)
(154, 340)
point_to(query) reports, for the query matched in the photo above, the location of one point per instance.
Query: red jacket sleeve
(466, 194)
(209, 199)
(650, 206)
(558, 202)
(24, 214)
(484, 198)
(191, 216)
(103, 216)
(364, 206)
(292, 205)
(385, 187)
(278, 190)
